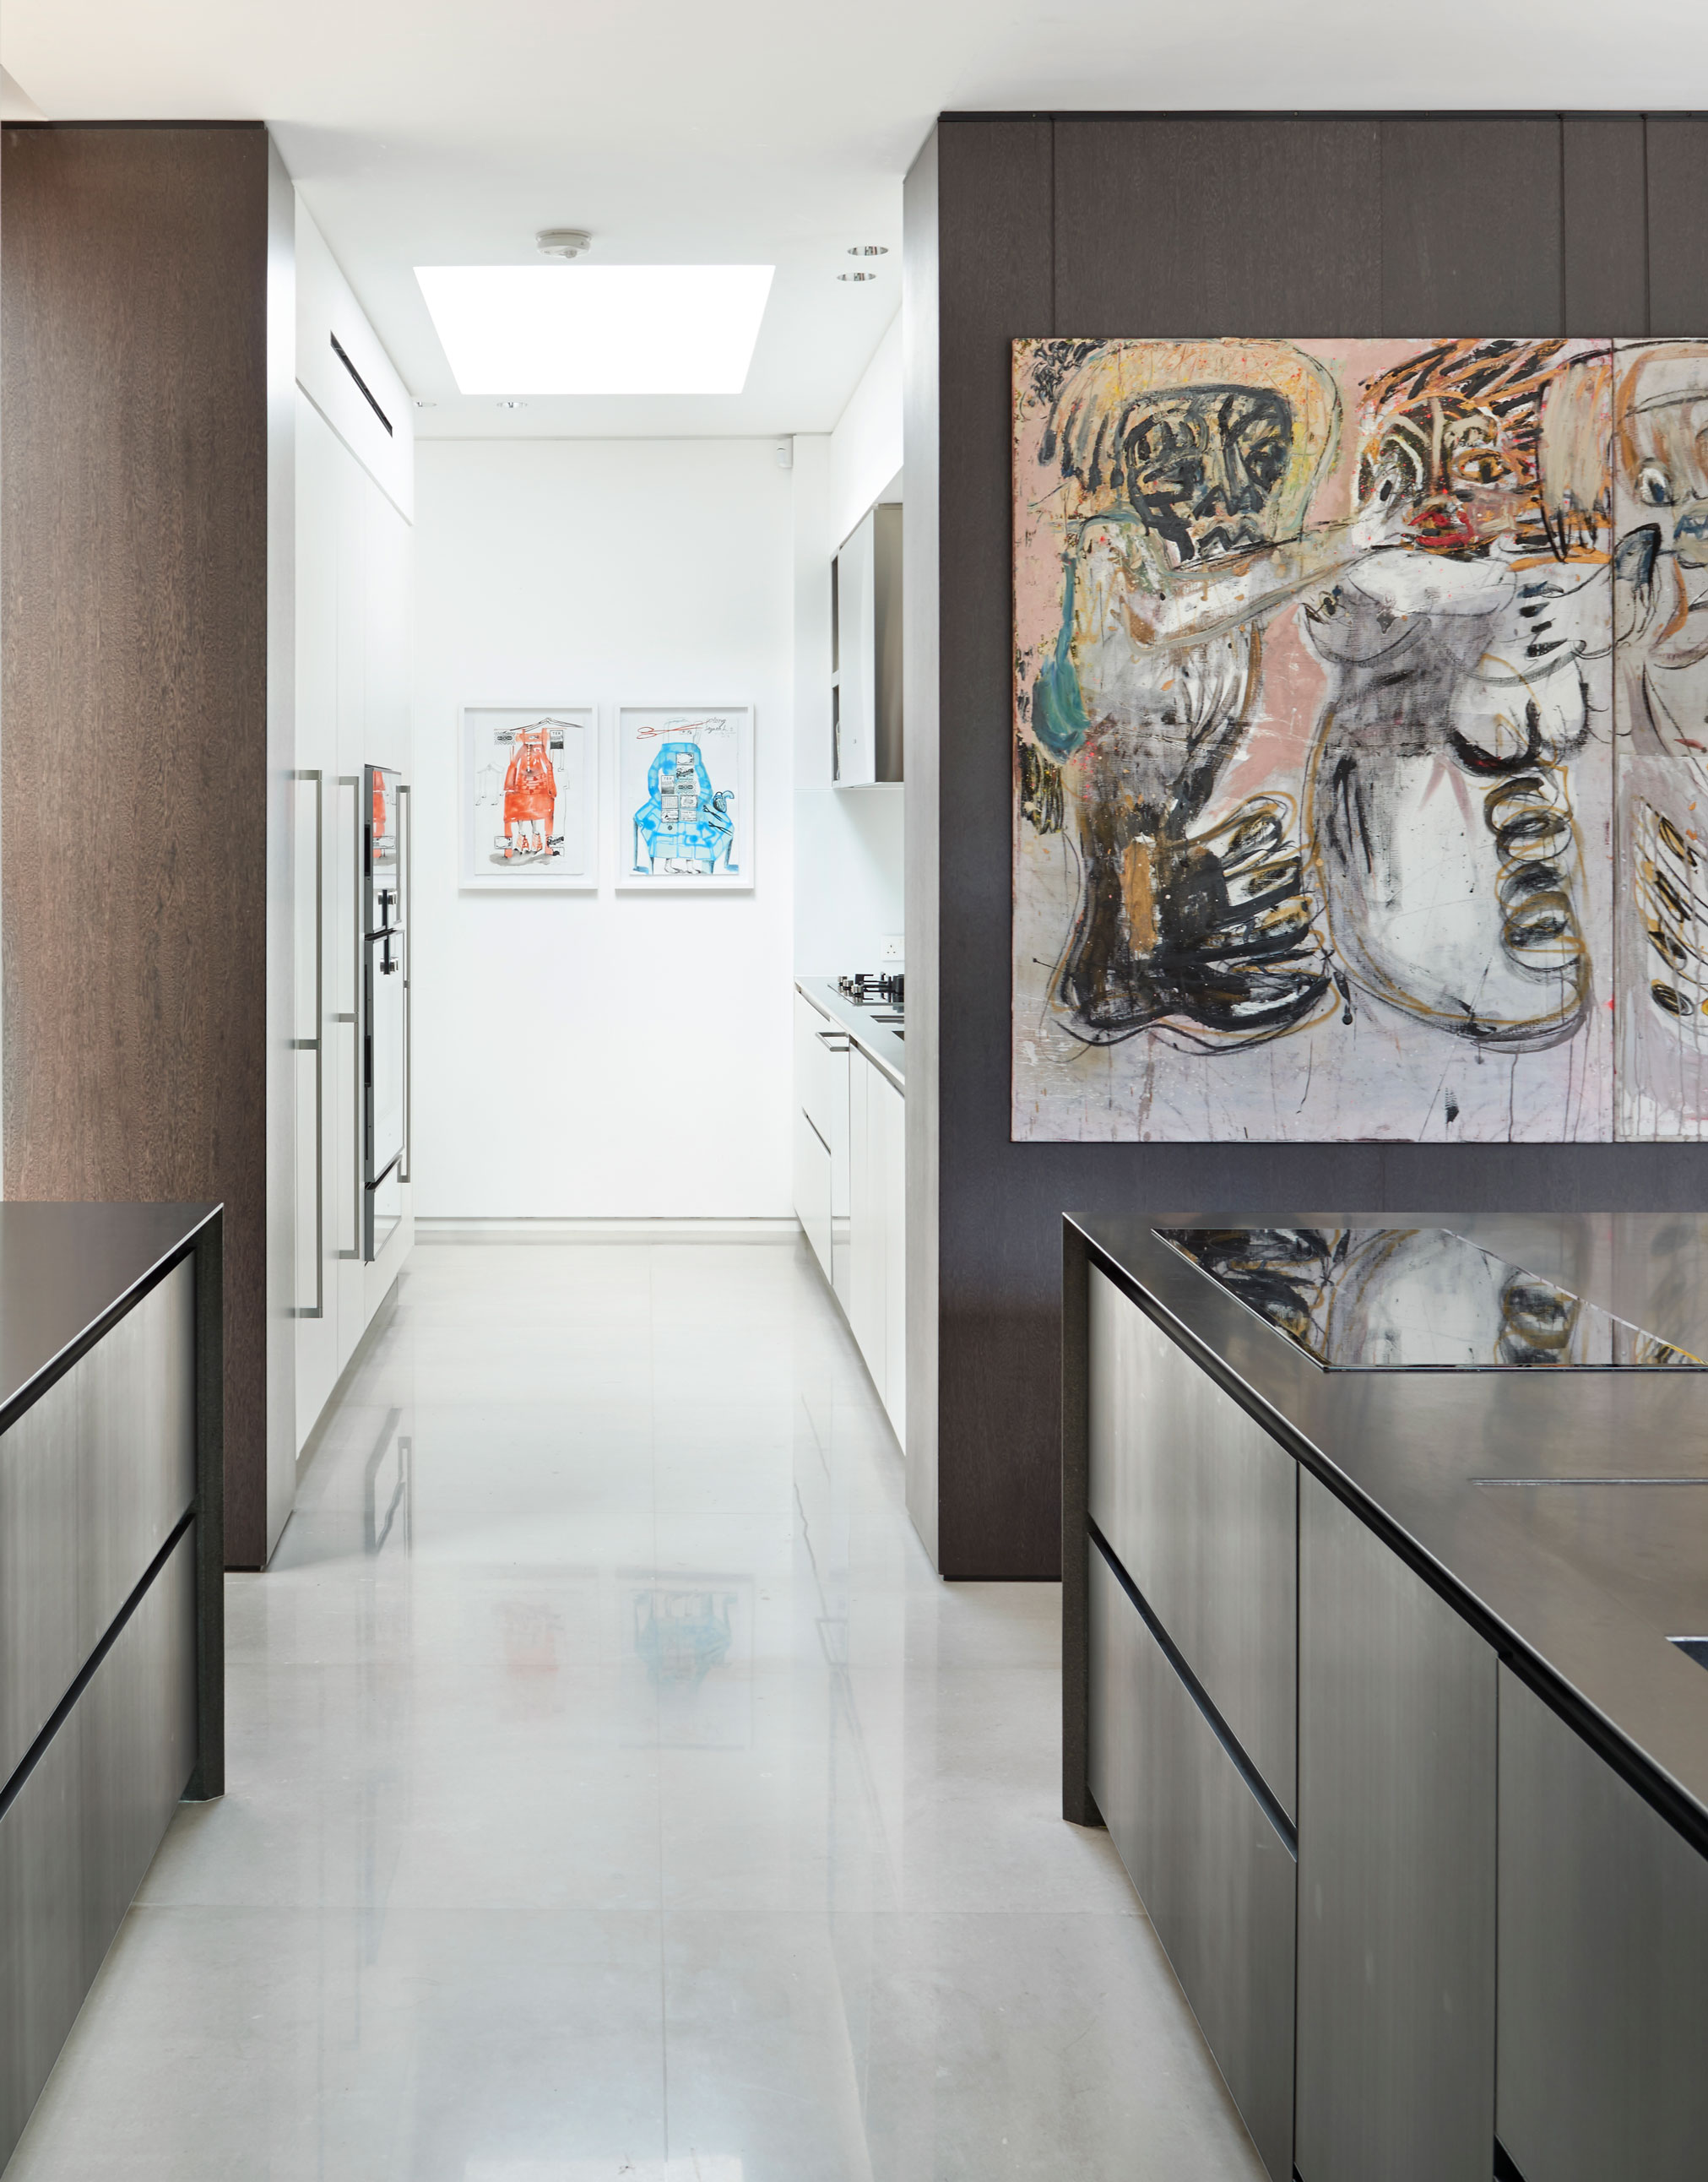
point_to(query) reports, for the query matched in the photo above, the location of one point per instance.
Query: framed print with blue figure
(684, 797)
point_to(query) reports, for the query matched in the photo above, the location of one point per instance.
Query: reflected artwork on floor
(1415, 1299)
(1361, 716)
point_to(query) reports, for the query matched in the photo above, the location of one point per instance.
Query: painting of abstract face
(1361, 708)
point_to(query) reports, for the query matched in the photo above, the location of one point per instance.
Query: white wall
(848, 840)
(608, 1055)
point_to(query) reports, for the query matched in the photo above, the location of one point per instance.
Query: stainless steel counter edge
(1295, 1401)
(880, 1046)
(54, 1363)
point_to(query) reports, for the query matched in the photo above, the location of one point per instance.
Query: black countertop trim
(1652, 1782)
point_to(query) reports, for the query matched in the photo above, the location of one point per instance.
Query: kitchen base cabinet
(1604, 1966)
(1216, 1878)
(1397, 1704)
(850, 1191)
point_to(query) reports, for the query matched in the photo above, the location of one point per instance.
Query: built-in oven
(384, 1009)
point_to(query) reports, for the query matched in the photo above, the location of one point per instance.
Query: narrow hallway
(614, 1792)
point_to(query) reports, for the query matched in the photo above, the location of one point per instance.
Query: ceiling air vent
(365, 391)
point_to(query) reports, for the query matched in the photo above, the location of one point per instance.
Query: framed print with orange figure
(529, 798)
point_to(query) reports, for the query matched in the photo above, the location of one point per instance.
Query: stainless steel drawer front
(92, 1478)
(1604, 1966)
(1201, 1506)
(77, 1841)
(1396, 1867)
(1216, 1878)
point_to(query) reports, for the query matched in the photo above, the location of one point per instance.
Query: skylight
(597, 329)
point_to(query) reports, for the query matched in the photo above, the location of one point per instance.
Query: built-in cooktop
(1415, 1299)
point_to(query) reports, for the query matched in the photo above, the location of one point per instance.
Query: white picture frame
(498, 804)
(675, 840)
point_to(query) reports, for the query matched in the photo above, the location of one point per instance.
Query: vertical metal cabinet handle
(317, 1046)
(354, 780)
(407, 850)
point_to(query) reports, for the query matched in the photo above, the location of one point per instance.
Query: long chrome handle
(353, 780)
(406, 850)
(317, 1045)
(833, 1041)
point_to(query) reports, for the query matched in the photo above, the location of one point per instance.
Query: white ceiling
(775, 131)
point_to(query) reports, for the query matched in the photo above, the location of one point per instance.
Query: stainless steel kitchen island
(111, 1576)
(1385, 1555)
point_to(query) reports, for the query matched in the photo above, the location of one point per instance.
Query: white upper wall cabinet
(866, 653)
(346, 374)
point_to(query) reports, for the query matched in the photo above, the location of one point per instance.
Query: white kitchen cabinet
(866, 652)
(850, 1192)
(891, 1109)
(355, 579)
(877, 1225)
(865, 1306)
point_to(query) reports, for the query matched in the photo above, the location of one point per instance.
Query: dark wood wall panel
(133, 614)
(1677, 196)
(1604, 165)
(1214, 249)
(994, 285)
(1471, 226)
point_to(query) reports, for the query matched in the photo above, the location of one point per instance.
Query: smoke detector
(566, 242)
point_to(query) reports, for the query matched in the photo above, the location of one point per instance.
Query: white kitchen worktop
(880, 1042)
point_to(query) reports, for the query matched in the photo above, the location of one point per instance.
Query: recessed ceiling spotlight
(422, 402)
(508, 404)
(563, 242)
(857, 276)
(868, 250)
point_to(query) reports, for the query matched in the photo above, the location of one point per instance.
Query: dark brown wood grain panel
(1471, 220)
(1471, 224)
(998, 1507)
(1677, 196)
(133, 608)
(1203, 226)
(1606, 265)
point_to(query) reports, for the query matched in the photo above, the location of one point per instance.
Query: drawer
(812, 1188)
(821, 1076)
(1200, 1507)
(92, 1477)
(80, 1834)
(1218, 1881)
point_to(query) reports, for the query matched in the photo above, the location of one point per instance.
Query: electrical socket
(891, 948)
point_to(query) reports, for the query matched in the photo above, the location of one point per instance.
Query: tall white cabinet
(355, 585)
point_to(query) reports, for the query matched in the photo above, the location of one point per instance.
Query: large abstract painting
(1360, 725)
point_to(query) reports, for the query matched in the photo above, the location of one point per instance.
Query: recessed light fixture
(868, 250)
(597, 329)
(857, 276)
(563, 242)
(509, 402)
(422, 402)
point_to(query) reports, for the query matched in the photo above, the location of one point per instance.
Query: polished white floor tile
(616, 1796)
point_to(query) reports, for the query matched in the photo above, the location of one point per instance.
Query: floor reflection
(616, 1791)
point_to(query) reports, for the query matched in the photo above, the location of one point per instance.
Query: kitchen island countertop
(1564, 1513)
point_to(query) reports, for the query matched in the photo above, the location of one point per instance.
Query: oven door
(383, 1082)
